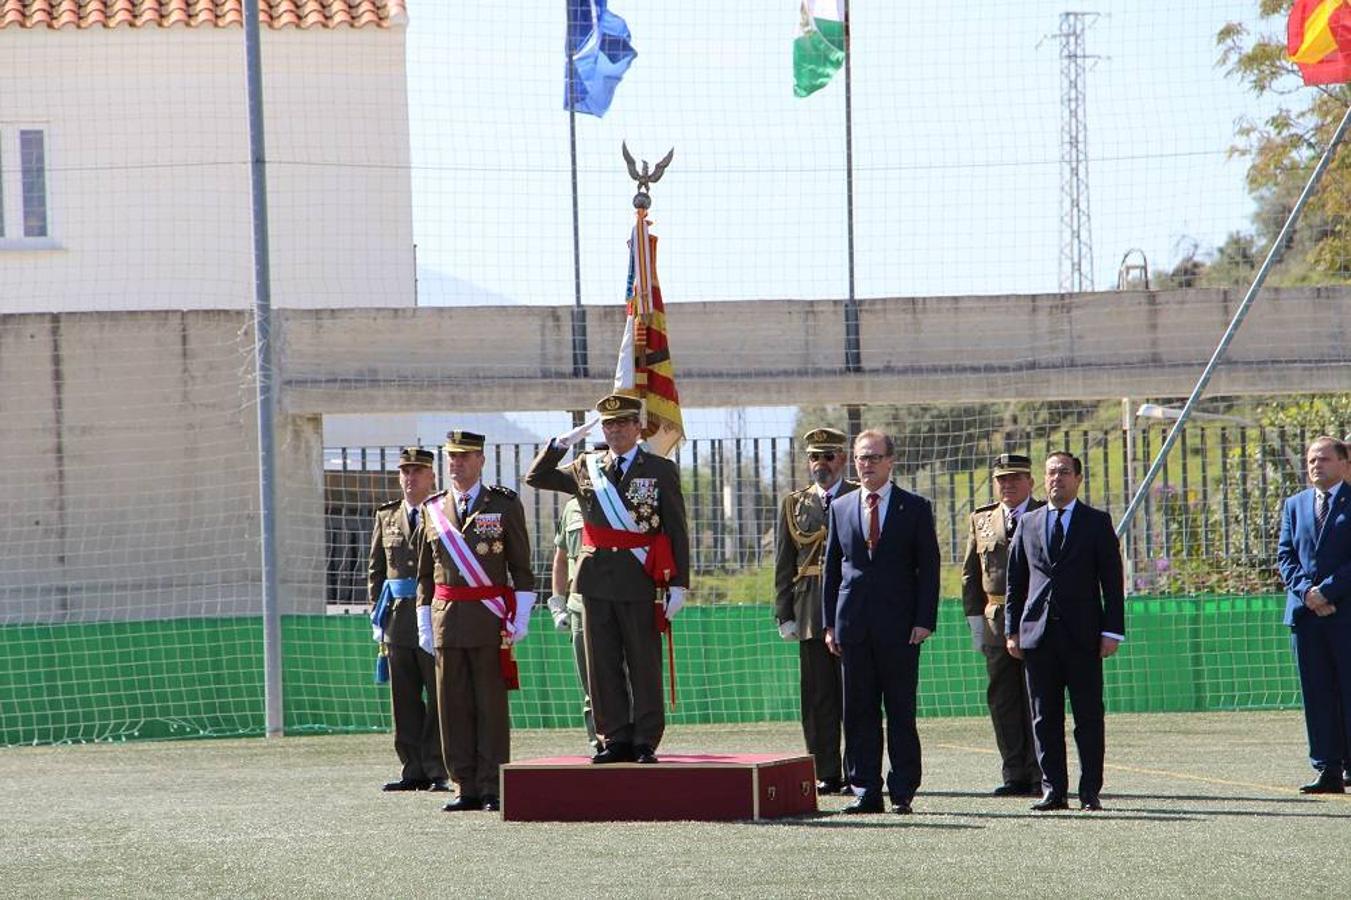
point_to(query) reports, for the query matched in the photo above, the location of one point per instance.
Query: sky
(957, 126)
(957, 141)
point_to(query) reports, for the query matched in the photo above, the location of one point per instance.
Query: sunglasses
(828, 456)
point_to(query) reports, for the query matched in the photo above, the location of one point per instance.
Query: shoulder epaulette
(987, 507)
(437, 496)
(390, 505)
(502, 489)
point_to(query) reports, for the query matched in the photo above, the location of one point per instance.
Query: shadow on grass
(1116, 815)
(871, 820)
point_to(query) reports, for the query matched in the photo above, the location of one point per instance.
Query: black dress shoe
(642, 753)
(1090, 804)
(1324, 785)
(1050, 803)
(438, 786)
(901, 809)
(846, 790)
(491, 803)
(828, 786)
(862, 805)
(1017, 789)
(614, 753)
(406, 784)
(463, 804)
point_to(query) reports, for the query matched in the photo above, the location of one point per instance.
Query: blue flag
(599, 53)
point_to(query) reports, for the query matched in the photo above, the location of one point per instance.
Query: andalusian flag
(1319, 40)
(644, 368)
(818, 52)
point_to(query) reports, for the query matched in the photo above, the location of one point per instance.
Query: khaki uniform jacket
(495, 531)
(650, 489)
(394, 554)
(985, 568)
(799, 546)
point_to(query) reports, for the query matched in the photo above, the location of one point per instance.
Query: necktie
(617, 469)
(1011, 523)
(1057, 536)
(464, 506)
(825, 502)
(874, 527)
(412, 519)
(1320, 513)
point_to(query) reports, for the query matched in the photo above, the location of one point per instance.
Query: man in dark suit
(631, 502)
(880, 602)
(1315, 559)
(1064, 614)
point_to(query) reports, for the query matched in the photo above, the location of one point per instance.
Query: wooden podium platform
(705, 788)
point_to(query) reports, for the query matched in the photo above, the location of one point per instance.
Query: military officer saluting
(391, 582)
(983, 582)
(632, 572)
(799, 543)
(475, 592)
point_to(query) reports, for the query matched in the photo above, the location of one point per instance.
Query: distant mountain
(438, 288)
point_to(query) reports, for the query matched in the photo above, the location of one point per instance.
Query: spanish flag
(1319, 40)
(644, 369)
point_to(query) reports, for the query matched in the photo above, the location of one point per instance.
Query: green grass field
(1197, 805)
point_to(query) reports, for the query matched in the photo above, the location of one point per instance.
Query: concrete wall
(148, 176)
(130, 441)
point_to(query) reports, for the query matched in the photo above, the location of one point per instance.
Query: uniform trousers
(417, 737)
(623, 656)
(822, 697)
(475, 724)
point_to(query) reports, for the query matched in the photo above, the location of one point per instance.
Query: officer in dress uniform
(396, 543)
(622, 598)
(475, 592)
(799, 541)
(983, 584)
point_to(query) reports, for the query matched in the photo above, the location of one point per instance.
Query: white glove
(525, 602)
(576, 434)
(424, 630)
(377, 634)
(977, 624)
(675, 599)
(788, 630)
(558, 608)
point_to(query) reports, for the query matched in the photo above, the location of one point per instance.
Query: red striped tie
(874, 527)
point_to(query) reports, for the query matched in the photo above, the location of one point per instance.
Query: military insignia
(488, 525)
(655, 521)
(498, 547)
(609, 404)
(481, 548)
(642, 491)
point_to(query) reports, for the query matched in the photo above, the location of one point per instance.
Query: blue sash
(394, 589)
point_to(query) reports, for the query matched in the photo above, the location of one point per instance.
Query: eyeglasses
(870, 457)
(1061, 470)
(828, 456)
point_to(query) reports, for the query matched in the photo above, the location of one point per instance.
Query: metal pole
(262, 351)
(579, 362)
(853, 361)
(1234, 323)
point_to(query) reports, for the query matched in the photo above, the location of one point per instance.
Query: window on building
(24, 210)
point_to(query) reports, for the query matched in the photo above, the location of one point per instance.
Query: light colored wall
(130, 438)
(148, 176)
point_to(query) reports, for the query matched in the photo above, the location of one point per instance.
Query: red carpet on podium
(721, 787)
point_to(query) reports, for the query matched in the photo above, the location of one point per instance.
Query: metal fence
(1209, 524)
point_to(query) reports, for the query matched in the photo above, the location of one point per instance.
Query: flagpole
(1277, 246)
(852, 356)
(579, 363)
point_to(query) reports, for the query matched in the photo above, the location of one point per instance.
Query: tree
(1284, 146)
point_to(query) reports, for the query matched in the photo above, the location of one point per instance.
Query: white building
(124, 155)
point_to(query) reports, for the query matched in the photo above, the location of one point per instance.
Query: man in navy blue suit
(880, 601)
(1315, 560)
(1063, 615)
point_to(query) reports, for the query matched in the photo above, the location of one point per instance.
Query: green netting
(203, 677)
